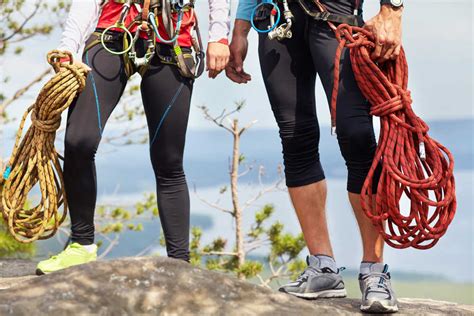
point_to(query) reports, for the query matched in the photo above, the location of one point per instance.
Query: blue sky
(438, 38)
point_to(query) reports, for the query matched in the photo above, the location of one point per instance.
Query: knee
(357, 142)
(168, 169)
(358, 149)
(301, 153)
(80, 145)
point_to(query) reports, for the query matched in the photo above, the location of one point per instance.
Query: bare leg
(372, 241)
(309, 202)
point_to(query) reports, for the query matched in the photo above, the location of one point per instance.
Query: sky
(437, 36)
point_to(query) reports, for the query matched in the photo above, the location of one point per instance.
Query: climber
(116, 39)
(291, 54)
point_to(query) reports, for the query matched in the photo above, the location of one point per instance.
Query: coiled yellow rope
(34, 160)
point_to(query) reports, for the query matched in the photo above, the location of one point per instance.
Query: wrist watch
(393, 3)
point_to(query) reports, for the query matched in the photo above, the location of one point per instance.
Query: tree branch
(23, 90)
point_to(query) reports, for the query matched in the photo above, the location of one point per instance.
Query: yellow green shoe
(73, 255)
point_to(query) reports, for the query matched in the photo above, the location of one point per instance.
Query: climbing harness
(413, 164)
(268, 9)
(147, 22)
(35, 162)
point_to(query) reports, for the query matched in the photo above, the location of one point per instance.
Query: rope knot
(48, 126)
(388, 107)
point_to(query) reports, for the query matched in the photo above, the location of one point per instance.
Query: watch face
(397, 3)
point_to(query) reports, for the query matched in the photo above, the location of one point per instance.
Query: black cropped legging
(166, 98)
(289, 69)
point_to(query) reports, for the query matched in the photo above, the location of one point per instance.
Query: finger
(239, 78)
(213, 74)
(212, 63)
(388, 53)
(220, 64)
(396, 52)
(232, 74)
(227, 60)
(379, 45)
(238, 63)
(245, 75)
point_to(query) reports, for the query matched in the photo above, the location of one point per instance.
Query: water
(125, 173)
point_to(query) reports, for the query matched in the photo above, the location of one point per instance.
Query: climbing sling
(34, 162)
(414, 166)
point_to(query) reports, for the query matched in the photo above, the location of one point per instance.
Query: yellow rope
(35, 162)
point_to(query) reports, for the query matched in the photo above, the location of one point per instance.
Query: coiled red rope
(413, 164)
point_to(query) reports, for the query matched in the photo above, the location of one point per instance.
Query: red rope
(413, 164)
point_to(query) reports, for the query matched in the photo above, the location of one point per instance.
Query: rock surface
(167, 287)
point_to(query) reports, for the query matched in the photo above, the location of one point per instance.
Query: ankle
(322, 261)
(367, 267)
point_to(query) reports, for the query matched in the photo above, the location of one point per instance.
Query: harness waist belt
(352, 20)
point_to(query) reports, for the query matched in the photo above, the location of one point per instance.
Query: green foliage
(250, 269)
(216, 245)
(195, 257)
(295, 267)
(10, 248)
(261, 216)
(149, 204)
(284, 248)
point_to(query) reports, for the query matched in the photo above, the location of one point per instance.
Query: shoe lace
(378, 281)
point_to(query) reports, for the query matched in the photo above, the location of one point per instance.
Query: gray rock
(16, 267)
(164, 286)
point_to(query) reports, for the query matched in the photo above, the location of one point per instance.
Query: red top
(111, 13)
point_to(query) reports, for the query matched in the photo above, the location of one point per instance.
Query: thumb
(238, 62)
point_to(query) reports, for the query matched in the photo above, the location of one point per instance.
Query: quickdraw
(189, 66)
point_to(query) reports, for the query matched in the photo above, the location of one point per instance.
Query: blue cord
(152, 18)
(264, 2)
(173, 100)
(97, 104)
(7, 172)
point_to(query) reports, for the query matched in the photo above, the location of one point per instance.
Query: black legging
(166, 98)
(289, 69)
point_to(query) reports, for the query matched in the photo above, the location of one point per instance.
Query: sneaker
(377, 292)
(73, 255)
(316, 282)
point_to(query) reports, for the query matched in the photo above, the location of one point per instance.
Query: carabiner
(273, 23)
(152, 19)
(120, 24)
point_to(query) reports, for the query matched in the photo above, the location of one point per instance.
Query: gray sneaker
(316, 282)
(377, 292)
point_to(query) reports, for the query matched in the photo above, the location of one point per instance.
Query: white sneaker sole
(322, 294)
(379, 307)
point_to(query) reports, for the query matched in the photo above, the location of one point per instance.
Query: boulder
(163, 286)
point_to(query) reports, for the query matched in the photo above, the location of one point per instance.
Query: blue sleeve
(245, 8)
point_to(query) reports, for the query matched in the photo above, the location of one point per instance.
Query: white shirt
(84, 16)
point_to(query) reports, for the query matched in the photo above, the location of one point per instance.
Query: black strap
(336, 18)
(352, 20)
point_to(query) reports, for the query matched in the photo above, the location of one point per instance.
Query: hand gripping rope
(34, 160)
(413, 164)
